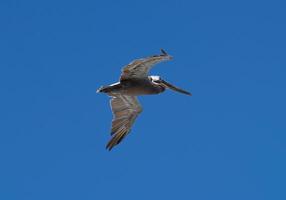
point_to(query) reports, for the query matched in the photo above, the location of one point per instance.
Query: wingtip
(108, 148)
(164, 53)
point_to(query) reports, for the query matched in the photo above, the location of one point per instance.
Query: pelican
(134, 81)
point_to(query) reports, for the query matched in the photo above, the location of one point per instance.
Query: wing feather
(125, 111)
(140, 68)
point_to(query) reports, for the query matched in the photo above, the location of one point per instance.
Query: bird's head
(155, 79)
(159, 81)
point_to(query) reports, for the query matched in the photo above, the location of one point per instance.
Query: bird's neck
(158, 88)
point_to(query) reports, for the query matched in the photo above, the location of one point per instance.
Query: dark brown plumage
(134, 81)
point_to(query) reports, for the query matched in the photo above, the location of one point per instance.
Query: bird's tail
(104, 89)
(110, 88)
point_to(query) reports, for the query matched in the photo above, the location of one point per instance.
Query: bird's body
(133, 87)
(134, 81)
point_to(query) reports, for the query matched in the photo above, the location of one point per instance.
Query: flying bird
(134, 81)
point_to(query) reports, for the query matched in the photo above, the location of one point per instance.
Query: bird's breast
(141, 87)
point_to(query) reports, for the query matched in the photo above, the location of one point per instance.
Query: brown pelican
(134, 81)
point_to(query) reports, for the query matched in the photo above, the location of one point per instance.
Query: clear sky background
(227, 141)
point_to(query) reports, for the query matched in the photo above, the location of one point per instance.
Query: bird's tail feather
(110, 88)
(103, 89)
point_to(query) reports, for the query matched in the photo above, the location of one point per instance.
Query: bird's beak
(170, 86)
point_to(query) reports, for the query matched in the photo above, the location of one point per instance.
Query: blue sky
(225, 142)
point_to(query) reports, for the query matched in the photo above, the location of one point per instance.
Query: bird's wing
(125, 110)
(139, 68)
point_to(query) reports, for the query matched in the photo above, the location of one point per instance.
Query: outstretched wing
(125, 110)
(139, 68)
